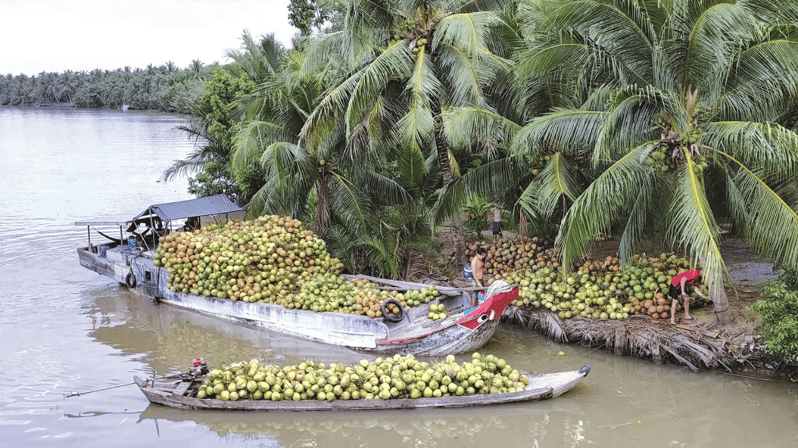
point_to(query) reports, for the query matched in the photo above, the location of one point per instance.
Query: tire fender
(390, 317)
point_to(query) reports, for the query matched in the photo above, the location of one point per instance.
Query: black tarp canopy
(192, 208)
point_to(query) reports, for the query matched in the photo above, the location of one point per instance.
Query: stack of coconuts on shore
(384, 378)
(272, 259)
(598, 289)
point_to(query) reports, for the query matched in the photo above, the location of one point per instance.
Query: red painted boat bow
(488, 310)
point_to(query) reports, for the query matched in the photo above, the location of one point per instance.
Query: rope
(76, 394)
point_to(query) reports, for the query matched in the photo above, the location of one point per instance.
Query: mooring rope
(77, 394)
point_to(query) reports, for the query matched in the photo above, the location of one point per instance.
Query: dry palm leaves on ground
(698, 345)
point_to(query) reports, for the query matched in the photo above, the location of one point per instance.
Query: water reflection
(512, 425)
(168, 338)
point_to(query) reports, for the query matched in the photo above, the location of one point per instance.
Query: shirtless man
(478, 267)
(496, 228)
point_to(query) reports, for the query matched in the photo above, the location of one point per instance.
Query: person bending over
(679, 291)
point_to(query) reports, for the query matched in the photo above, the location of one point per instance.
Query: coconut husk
(697, 345)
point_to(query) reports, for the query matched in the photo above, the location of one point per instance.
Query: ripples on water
(59, 166)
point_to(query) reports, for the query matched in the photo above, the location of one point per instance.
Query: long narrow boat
(181, 393)
(129, 261)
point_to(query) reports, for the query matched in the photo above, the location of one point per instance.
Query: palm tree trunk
(323, 205)
(458, 236)
(722, 311)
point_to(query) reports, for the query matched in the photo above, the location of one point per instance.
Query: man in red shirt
(678, 292)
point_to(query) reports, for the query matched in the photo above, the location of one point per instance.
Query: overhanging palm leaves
(689, 90)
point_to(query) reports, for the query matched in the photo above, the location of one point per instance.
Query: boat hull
(465, 330)
(178, 394)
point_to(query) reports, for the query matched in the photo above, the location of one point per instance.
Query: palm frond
(629, 121)
(318, 54)
(558, 181)
(327, 113)
(692, 226)
(464, 74)
(494, 179)
(761, 85)
(382, 250)
(253, 137)
(605, 201)
(182, 168)
(466, 31)
(765, 146)
(639, 220)
(567, 130)
(760, 210)
(350, 205)
(395, 62)
(609, 29)
(716, 28)
(416, 127)
(412, 169)
(384, 189)
(343, 245)
(367, 143)
(465, 127)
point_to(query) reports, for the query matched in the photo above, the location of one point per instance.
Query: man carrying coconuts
(680, 284)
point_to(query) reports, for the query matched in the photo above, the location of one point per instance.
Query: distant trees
(166, 88)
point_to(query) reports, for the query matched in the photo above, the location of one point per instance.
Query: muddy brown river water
(66, 330)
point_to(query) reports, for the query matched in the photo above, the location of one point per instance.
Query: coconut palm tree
(405, 63)
(310, 183)
(677, 104)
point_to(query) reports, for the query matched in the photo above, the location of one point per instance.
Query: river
(66, 330)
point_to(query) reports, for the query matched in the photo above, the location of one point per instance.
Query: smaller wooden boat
(181, 392)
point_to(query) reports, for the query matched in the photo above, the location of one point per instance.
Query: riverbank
(701, 344)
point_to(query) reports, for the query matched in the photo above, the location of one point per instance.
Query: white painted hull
(415, 334)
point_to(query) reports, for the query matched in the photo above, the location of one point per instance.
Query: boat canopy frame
(157, 216)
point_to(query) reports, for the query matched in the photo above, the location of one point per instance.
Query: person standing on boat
(681, 285)
(478, 271)
(496, 228)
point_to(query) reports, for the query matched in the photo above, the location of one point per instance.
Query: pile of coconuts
(601, 289)
(503, 256)
(272, 259)
(384, 378)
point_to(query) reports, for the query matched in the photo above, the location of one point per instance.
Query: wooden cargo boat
(181, 393)
(130, 261)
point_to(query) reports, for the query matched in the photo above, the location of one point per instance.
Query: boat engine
(198, 367)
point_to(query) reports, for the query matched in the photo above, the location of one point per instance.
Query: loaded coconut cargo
(274, 273)
(397, 382)
(597, 289)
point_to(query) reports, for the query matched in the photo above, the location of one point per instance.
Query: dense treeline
(166, 88)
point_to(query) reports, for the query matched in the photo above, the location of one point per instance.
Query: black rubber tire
(130, 280)
(390, 317)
